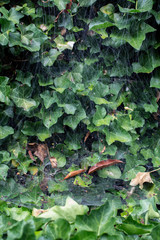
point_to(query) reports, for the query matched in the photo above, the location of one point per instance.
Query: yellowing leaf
(141, 178)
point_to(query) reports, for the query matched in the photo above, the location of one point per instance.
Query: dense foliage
(81, 77)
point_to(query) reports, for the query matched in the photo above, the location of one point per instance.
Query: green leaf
(36, 129)
(155, 80)
(100, 117)
(135, 36)
(147, 62)
(85, 235)
(111, 172)
(51, 117)
(22, 230)
(62, 45)
(3, 171)
(14, 16)
(20, 96)
(116, 134)
(61, 4)
(24, 77)
(73, 121)
(67, 212)
(48, 58)
(18, 214)
(49, 98)
(132, 227)
(60, 157)
(5, 131)
(4, 38)
(155, 231)
(59, 229)
(86, 3)
(100, 221)
(145, 5)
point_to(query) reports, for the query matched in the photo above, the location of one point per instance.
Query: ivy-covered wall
(83, 77)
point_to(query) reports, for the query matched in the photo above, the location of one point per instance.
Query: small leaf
(141, 178)
(5, 131)
(102, 164)
(74, 173)
(50, 57)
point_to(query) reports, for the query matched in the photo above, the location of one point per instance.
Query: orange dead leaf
(37, 212)
(87, 135)
(74, 173)
(102, 164)
(141, 178)
(53, 161)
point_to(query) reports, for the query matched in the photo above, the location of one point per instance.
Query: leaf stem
(155, 170)
(136, 4)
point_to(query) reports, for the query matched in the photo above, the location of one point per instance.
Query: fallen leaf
(74, 173)
(102, 164)
(87, 135)
(39, 150)
(141, 178)
(53, 161)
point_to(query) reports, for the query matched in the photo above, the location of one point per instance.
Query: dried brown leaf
(41, 151)
(74, 173)
(102, 164)
(53, 161)
(37, 212)
(87, 135)
(141, 178)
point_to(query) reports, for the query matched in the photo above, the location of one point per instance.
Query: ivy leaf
(116, 134)
(14, 16)
(59, 229)
(86, 3)
(3, 171)
(6, 131)
(50, 57)
(132, 227)
(155, 80)
(49, 98)
(62, 45)
(147, 62)
(101, 220)
(24, 78)
(20, 96)
(100, 117)
(111, 172)
(73, 121)
(142, 6)
(51, 116)
(136, 36)
(61, 4)
(67, 212)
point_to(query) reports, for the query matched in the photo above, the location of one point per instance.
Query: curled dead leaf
(39, 150)
(141, 178)
(53, 161)
(102, 164)
(103, 150)
(74, 173)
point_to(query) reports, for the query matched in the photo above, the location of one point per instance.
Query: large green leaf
(135, 36)
(147, 62)
(61, 4)
(101, 220)
(48, 58)
(132, 227)
(68, 212)
(73, 121)
(3, 171)
(5, 131)
(21, 97)
(59, 229)
(116, 134)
